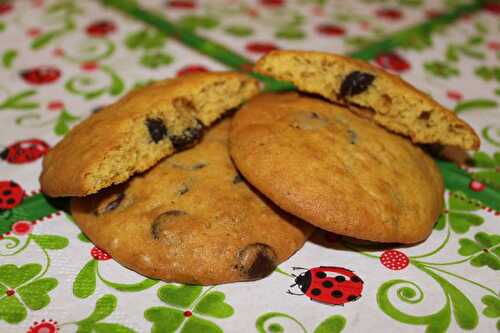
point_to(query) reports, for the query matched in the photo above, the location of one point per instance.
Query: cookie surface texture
(144, 126)
(392, 102)
(338, 171)
(191, 219)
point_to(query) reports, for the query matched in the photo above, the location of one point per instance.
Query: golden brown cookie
(191, 219)
(338, 171)
(392, 102)
(144, 126)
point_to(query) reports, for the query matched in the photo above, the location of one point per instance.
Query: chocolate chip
(108, 206)
(188, 136)
(198, 166)
(183, 189)
(160, 221)
(256, 261)
(156, 128)
(238, 178)
(355, 83)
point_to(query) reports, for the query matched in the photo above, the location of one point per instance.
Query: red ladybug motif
(101, 28)
(41, 75)
(191, 69)
(329, 284)
(330, 30)
(260, 47)
(181, 4)
(393, 61)
(11, 194)
(24, 151)
(5, 7)
(389, 14)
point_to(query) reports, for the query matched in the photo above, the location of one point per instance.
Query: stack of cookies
(176, 186)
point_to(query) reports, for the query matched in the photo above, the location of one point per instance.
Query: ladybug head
(4, 154)
(303, 281)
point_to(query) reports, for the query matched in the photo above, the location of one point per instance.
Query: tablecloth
(61, 60)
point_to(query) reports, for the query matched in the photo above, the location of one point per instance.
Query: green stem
(443, 244)
(461, 278)
(46, 266)
(279, 270)
(448, 263)
(18, 250)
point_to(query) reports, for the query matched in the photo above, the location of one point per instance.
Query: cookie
(392, 102)
(335, 170)
(144, 126)
(191, 219)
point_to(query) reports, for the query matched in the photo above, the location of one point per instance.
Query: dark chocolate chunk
(109, 206)
(156, 128)
(238, 178)
(188, 136)
(162, 219)
(198, 166)
(355, 83)
(256, 261)
(353, 137)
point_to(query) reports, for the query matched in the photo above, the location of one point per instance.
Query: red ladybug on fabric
(41, 75)
(101, 28)
(329, 284)
(24, 151)
(11, 194)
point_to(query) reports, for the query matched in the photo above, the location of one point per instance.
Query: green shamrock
(492, 309)
(155, 60)
(485, 250)
(487, 167)
(145, 39)
(192, 22)
(441, 69)
(185, 301)
(458, 215)
(20, 283)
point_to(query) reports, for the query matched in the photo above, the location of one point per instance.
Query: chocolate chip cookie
(336, 170)
(144, 126)
(192, 218)
(390, 101)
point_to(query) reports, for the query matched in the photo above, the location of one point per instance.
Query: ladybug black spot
(355, 83)
(340, 278)
(352, 298)
(320, 275)
(11, 201)
(327, 284)
(316, 292)
(7, 192)
(356, 279)
(337, 293)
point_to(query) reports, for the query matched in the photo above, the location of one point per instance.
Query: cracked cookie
(192, 219)
(335, 170)
(141, 128)
(390, 101)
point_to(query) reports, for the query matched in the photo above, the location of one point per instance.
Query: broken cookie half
(141, 128)
(394, 104)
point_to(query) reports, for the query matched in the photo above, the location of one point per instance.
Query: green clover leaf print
(488, 73)
(492, 309)
(192, 22)
(332, 324)
(20, 101)
(441, 69)
(187, 303)
(156, 59)
(85, 282)
(484, 250)
(20, 288)
(486, 168)
(458, 214)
